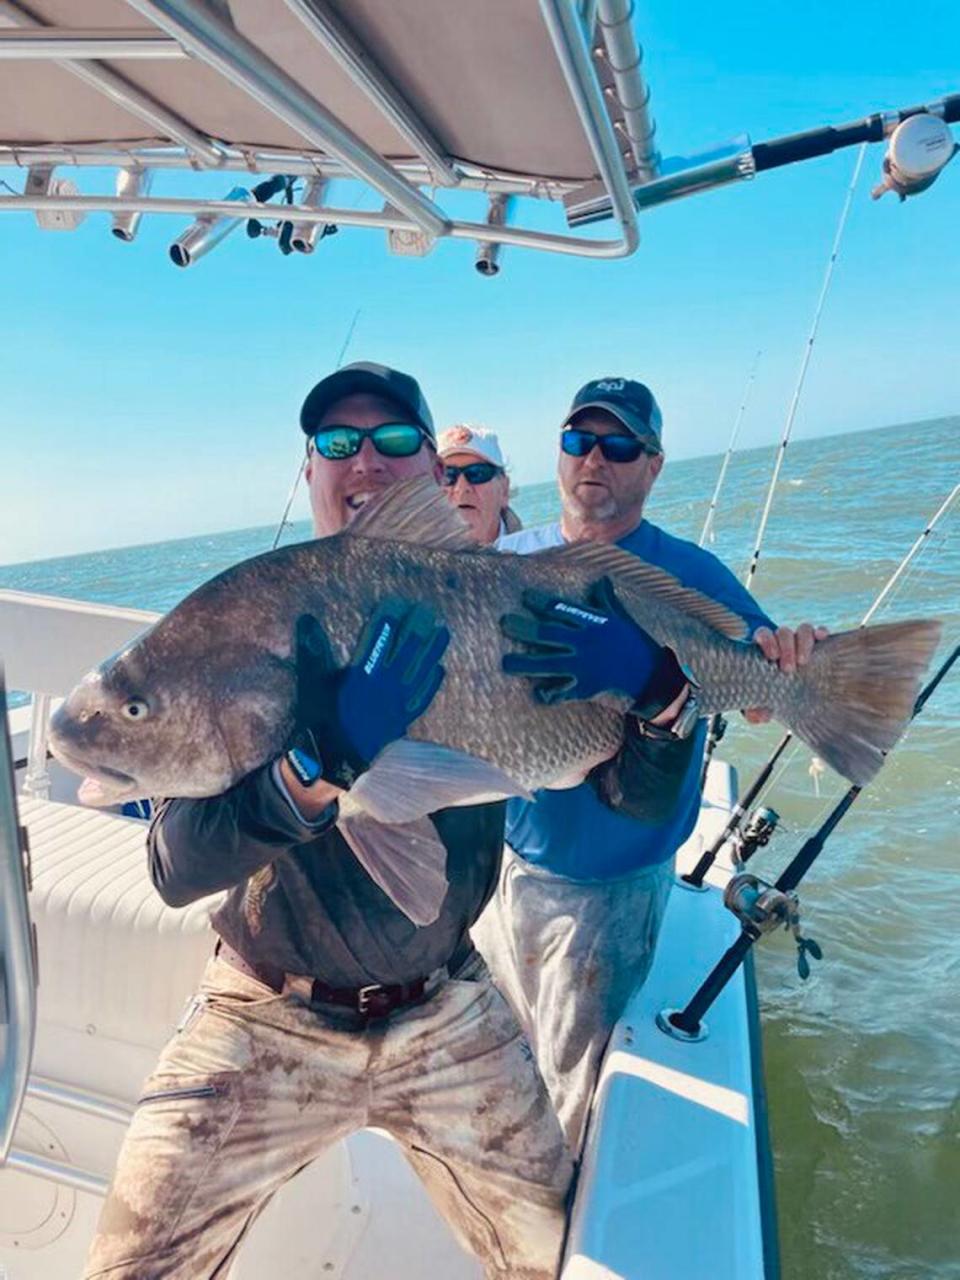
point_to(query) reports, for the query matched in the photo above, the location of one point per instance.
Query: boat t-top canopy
(512, 98)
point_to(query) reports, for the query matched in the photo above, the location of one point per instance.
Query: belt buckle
(365, 995)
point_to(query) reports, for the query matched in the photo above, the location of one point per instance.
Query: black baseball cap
(370, 379)
(631, 403)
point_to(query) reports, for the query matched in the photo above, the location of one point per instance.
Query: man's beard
(596, 512)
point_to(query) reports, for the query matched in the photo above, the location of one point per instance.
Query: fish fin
(414, 511)
(626, 570)
(860, 689)
(409, 779)
(408, 861)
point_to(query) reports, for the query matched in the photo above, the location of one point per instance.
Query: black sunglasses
(391, 439)
(579, 443)
(475, 472)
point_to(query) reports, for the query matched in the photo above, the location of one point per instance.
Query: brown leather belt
(371, 1001)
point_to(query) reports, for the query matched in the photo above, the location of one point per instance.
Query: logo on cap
(458, 435)
(611, 384)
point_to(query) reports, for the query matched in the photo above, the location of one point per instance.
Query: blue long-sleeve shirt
(573, 833)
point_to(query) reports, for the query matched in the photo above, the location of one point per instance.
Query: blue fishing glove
(576, 652)
(347, 715)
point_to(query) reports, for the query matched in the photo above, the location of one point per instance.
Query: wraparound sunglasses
(391, 439)
(474, 472)
(579, 443)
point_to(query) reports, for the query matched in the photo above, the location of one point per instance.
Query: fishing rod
(762, 908)
(708, 522)
(716, 724)
(303, 461)
(707, 859)
(804, 366)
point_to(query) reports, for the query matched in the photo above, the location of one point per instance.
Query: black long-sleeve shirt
(299, 901)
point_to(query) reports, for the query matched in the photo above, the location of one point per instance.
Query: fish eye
(135, 709)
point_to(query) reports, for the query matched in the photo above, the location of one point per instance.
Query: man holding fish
(342, 782)
(587, 870)
(405, 1031)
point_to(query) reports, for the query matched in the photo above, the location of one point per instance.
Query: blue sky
(141, 402)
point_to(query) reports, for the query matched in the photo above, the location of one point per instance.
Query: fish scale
(218, 678)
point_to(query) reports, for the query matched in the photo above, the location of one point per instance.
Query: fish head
(167, 719)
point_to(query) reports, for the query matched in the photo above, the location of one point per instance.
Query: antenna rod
(303, 461)
(705, 531)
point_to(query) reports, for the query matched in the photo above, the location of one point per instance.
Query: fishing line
(815, 821)
(762, 782)
(761, 908)
(912, 553)
(910, 570)
(804, 366)
(303, 461)
(707, 530)
(915, 574)
(716, 724)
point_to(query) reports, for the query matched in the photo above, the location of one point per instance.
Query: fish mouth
(116, 775)
(113, 780)
(102, 785)
(99, 795)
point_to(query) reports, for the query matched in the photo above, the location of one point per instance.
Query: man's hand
(576, 651)
(347, 715)
(789, 649)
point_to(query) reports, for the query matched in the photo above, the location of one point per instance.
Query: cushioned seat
(112, 956)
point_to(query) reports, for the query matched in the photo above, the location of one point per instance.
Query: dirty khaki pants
(254, 1085)
(568, 954)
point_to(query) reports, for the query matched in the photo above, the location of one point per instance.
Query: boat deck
(116, 965)
(674, 1124)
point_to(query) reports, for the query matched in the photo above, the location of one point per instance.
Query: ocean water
(863, 1060)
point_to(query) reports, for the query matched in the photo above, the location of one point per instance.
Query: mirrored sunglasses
(579, 443)
(474, 472)
(391, 439)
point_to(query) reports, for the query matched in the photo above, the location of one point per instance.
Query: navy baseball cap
(370, 379)
(631, 403)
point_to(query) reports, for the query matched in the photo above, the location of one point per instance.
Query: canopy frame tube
(330, 32)
(124, 94)
(238, 60)
(63, 42)
(625, 58)
(573, 52)
(198, 31)
(295, 163)
(386, 220)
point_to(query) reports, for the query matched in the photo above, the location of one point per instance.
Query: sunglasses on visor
(579, 443)
(391, 439)
(475, 473)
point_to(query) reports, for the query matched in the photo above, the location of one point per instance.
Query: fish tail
(858, 692)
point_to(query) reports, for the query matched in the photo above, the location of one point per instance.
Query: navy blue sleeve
(701, 570)
(729, 591)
